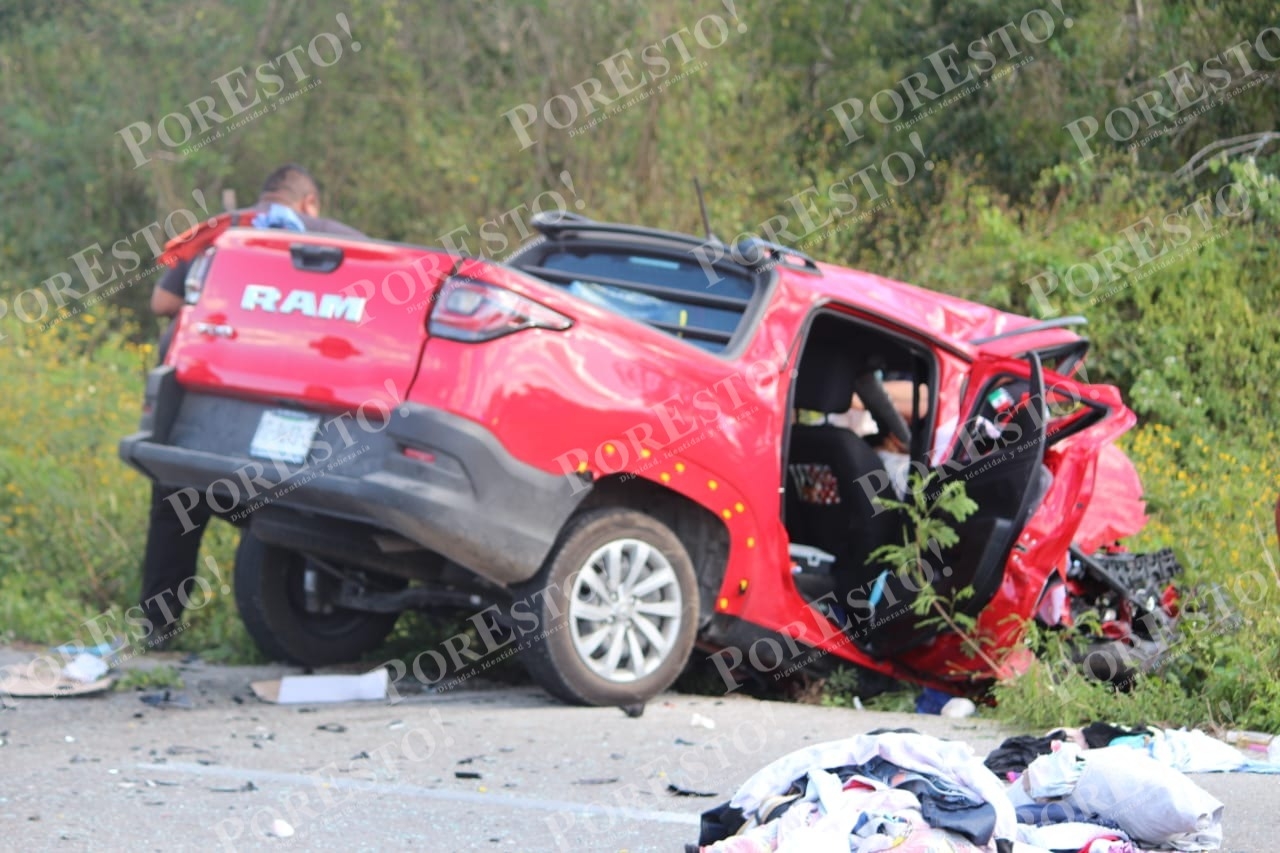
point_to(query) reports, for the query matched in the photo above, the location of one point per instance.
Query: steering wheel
(877, 402)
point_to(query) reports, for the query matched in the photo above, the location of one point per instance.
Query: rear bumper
(474, 504)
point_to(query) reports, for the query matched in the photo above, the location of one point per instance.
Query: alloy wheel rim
(625, 610)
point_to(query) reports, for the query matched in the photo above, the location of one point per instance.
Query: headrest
(825, 383)
(833, 359)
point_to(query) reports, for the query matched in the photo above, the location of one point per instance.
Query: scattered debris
(167, 699)
(243, 789)
(704, 722)
(466, 774)
(306, 689)
(40, 679)
(596, 780)
(681, 791)
(682, 742)
(931, 701)
(1259, 745)
(85, 668)
(280, 829)
(958, 707)
(336, 728)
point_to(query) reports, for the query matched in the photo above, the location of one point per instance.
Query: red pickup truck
(614, 444)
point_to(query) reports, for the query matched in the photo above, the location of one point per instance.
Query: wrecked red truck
(624, 444)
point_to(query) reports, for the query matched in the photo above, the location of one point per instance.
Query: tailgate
(314, 319)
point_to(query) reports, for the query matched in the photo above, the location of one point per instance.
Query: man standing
(290, 199)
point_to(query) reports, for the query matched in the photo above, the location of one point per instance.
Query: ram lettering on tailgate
(329, 306)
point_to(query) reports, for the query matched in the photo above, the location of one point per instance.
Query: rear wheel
(282, 597)
(617, 602)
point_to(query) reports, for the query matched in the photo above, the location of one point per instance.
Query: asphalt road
(484, 769)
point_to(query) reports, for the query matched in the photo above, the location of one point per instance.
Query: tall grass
(73, 515)
(1212, 499)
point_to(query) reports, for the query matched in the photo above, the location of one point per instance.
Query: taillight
(471, 311)
(194, 282)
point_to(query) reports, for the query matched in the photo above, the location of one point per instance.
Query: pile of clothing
(1102, 789)
(1186, 751)
(1117, 782)
(884, 790)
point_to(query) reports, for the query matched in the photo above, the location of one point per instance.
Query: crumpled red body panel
(1116, 509)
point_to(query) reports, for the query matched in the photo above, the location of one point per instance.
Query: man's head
(292, 186)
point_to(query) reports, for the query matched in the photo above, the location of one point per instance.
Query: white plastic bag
(1152, 803)
(1055, 774)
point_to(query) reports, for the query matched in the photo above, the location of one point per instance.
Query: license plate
(284, 435)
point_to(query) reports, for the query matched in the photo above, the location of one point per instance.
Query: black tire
(553, 652)
(269, 595)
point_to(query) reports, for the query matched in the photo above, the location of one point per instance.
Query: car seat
(833, 475)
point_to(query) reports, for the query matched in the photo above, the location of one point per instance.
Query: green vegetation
(930, 532)
(151, 678)
(411, 137)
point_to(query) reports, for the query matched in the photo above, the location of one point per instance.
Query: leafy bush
(74, 517)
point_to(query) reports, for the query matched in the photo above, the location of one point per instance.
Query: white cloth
(831, 831)
(1064, 836)
(898, 467)
(1193, 752)
(921, 753)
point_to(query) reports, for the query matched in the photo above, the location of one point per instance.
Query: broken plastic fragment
(679, 791)
(305, 689)
(280, 829)
(167, 699)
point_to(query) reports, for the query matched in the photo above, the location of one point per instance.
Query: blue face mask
(279, 216)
